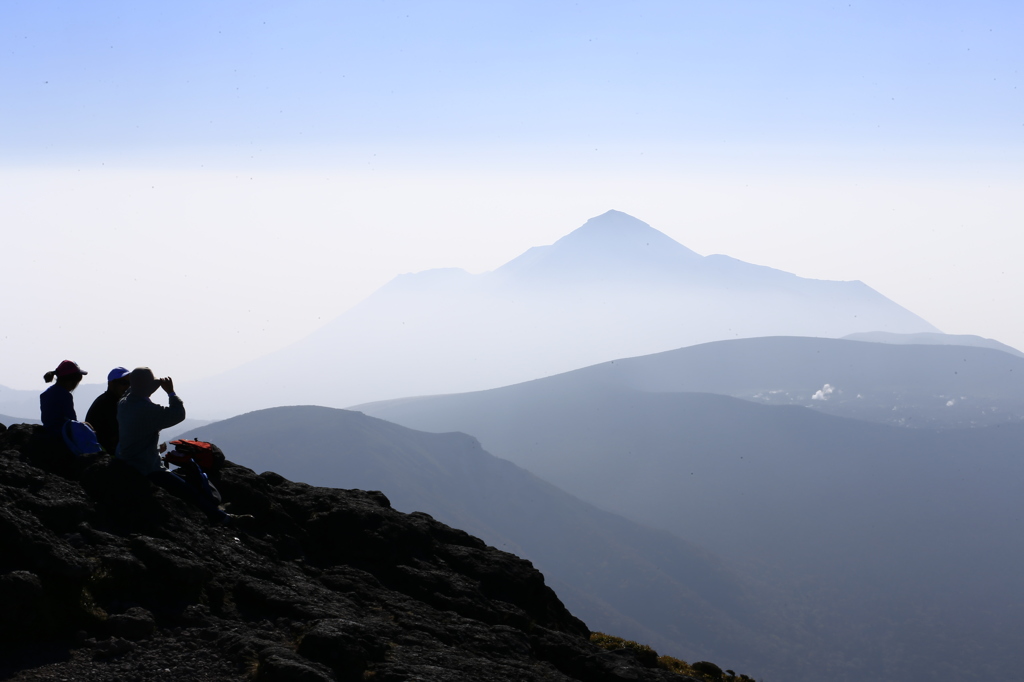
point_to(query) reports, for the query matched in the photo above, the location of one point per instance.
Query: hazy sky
(192, 185)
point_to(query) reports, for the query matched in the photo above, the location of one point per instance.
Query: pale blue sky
(285, 159)
(102, 80)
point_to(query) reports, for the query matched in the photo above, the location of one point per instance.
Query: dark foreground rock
(105, 577)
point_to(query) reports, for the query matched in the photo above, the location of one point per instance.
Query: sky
(191, 185)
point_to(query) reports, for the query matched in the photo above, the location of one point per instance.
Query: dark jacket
(102, 416)
(56, 406)
(140, 421)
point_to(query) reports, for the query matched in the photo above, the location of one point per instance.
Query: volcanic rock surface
(105, 577)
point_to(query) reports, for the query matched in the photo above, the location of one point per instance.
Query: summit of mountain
(614, 250)
(615, 287)
(609, 245)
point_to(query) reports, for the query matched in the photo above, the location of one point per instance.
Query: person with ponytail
(56, 404)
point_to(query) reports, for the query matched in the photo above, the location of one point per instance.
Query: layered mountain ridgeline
(103, 576)
(903, 542)
(933, 339)
(619, 576)
(916, 385)
(615, 287)
(7, 419)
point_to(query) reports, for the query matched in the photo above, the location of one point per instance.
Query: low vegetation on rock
(701, 670)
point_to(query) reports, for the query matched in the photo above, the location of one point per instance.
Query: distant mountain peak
(614, 222)
(612, 241)
(616, 229)
(614, 287)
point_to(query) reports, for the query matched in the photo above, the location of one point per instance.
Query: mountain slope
(614, 287)
(664, 457)
(927, 338)
(908, 385)
(6, 419)
(876, 529)
(103, 576)
(687, 603)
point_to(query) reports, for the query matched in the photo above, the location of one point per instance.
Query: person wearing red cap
(56, 404)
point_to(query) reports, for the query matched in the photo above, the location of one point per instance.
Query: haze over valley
(708, 311)
(723, 460)
(797, 541)
(777, 502)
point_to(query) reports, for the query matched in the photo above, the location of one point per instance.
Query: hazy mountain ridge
(927, 338)
(615, 287)
(876, 529)
(7, 420)
(615, 244)
(618, 576)
(935, 385)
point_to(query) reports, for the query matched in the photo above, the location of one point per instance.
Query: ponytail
(48, 377)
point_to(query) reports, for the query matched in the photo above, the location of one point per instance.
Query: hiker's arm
(174, 413)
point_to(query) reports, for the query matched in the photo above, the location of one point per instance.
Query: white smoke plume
(824, 392)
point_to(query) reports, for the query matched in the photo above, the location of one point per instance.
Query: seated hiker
(102, 415)
(56, 404)
(139, 422)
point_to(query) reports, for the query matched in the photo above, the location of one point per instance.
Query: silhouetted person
(139, 421)
(56, 404)
(102, 414)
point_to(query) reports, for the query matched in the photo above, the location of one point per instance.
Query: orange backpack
(208, 456)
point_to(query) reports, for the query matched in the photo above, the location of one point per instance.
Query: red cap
(67, 368)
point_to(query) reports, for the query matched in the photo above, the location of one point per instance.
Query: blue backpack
(80, 438)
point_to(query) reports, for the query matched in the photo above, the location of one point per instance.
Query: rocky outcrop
(103, 577)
